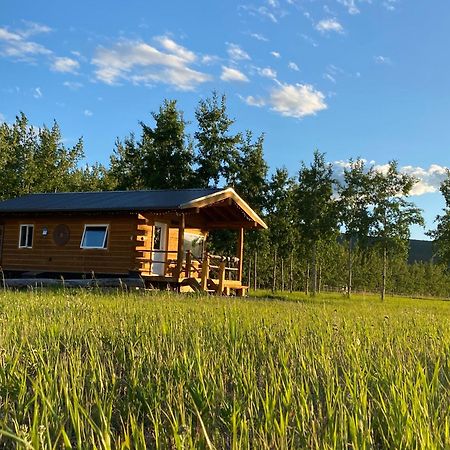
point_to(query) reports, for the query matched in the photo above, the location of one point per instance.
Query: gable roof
(125, 201)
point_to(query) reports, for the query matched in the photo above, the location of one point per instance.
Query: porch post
(180, 249)
(240, 253)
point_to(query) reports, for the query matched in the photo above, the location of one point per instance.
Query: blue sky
(366, 78)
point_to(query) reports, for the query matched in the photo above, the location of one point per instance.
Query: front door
(159, 248)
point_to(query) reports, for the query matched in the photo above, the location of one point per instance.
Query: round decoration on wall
(61, 234)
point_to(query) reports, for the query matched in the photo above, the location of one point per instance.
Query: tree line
(323, 234)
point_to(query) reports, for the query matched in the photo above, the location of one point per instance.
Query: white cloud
(88, 113)
(389, 4)
(259, 37)
(382, 60)
(33, 28)
(73, 85)
(429, 179)
(267, 72)
(176, 49)
(329, 77)
(37, 93)
(230, 74)
(13, 44)
(293, 66)
(329, 25)
(254, 101)
(275, 54)
(141, 63)
(309, 40)
(65, 65)
(351, 6)
(236, 53)
(297, 100)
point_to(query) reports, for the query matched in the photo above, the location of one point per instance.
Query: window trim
(105, 238)
(27, 225)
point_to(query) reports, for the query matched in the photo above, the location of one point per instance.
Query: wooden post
(205, 273)
(180, 252)
(221, 278)
(188, 264)
(240, 253)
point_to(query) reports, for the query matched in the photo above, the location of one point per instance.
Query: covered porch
(175, 247)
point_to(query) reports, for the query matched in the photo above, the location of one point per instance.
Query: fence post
(205, 273)
(188, 264)
(221, 278)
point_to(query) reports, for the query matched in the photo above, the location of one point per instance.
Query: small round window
(61, 235)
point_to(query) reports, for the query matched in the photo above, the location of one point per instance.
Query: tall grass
(89, 370)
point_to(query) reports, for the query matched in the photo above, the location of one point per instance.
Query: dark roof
(104, 201)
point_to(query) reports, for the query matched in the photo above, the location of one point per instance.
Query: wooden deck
(205, 275)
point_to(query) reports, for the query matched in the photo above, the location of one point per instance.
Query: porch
(192, 269)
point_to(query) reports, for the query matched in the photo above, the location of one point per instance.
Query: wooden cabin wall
(46, 256)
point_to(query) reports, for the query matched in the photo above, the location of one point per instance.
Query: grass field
(87, 370)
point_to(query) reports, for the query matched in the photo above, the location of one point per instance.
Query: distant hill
(420, 251)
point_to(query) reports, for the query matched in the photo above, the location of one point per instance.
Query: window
(194, 243)
(26, 236)
(157, 238)
(94, 236)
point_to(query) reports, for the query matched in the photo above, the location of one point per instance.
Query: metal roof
(104, 201)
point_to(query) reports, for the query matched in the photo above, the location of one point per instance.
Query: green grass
(90, 370)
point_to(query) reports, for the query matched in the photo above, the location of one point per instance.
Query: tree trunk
(319, 278)
(314, 270)
(255, 272)
(383, 281)
(282, 274)
(349, 268)
(249, 277)
(307, 276)
(291, 274)
(274, 275)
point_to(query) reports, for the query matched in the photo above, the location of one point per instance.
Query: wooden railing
(210, 266)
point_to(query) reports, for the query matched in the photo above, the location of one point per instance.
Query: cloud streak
(143, 64)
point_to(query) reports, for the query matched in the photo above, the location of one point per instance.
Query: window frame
(27, 226)
(105, 238)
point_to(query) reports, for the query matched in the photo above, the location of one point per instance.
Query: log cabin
(158, 235)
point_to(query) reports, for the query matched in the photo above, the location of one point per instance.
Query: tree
(36, 160)
(354, 209)
(166, 151)
(127, 164)
(441, 235)
(392, 214)
(249, 177)
(280, 219)
(216, 145)
(315, 207)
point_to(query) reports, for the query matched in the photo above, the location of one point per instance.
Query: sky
(352, 78)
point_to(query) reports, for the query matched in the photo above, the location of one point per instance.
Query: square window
(94, 236)
(26, 236)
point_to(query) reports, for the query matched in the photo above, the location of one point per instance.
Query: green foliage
(125, 371)
(217, 153)
(36, 160)
(392, 214)
(167, 156)
(161, 159)
(316, 209)
(441, 235)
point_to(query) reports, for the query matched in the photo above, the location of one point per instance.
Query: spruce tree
(216, 144)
